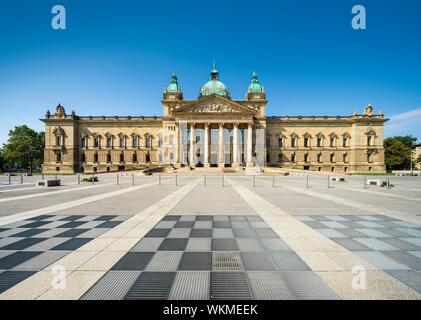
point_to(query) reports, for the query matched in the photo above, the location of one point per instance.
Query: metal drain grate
(151, 286)
(9, 279)
(226, 261)
(112, 286)
(191, 286)
(289, 261)
(230, 286)
(165, 261)
(269, 286)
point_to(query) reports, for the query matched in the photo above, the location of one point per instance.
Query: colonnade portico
(220, 126)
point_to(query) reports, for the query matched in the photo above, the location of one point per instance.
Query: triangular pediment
(214, 105)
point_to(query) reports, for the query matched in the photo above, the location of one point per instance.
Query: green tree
(409, 141)
(1, 160)
(25, 147)
(397, 153)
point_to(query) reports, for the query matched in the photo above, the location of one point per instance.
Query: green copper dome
(214, 86)
(255, 86)
(173, 87)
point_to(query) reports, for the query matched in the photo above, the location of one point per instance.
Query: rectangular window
(58, 157)
(148, 158)
(148, 142)
(306, 142)
(109, 142)
(306, 158)
(96, 157)
(293, 142)
(267, 142)
(345, 142)
(369, 140)
(160, 143)
(293, 158)
(108, 157)
(267, 157)
(121, 157)
(280, 157)
(58, 141)
(319, 158)
(280, 143)
(83, 143)
(345, 158)
(134, 157)
(135, 142)
(96, 142)
(82, 157)
(122, 142)
(332, 158)
(332, 141)
(319, 142)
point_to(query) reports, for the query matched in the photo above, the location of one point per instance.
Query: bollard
(222, 181)
(93, 178)
(78, 178)
(10, 178)
(365, 182)
(132, 179)
(328, 181)
(56, 176)
(307, 180)
(204, 180)
(42, 176)
(176, 180)
(273, 181)
(388, 181)
(159, 179)
(21, 178)
(118, 179)
(254, 181)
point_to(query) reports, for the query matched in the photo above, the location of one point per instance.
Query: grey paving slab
(412, 232)
(352, 224)
(247, 244)
(204, 218)
(191, 285)
(381, 261)
(269, 286)
(71, 233)
(108, 224)
(244, 233)
(29, 233)
(53, 224)
(306, 285)
(257, 261)
(221, 218)
(224, 245)
(22, 244)
(411, 278)
(12, 232)
(105, 217)
(133, 261)
(47, 244)
(402, 245)
(196, 261)
(230, 286)
(184, 224)
(90, 224)
(226, 261)
(259, 224)
(165, 225)
(274, 244)
(164, 261)
(73, 217)
(158, 233)
(351, 244)
(187, 218)
(375, 244)
(332, 233)
(171, 218)
(51, 233)
(114, 285)
(333, 224)
(221, 224)
(148, 245)
(222, 233)
(199, 245)
(414, 253)
(15, 259)
(415, 241)
(406, 224)
(389, 224)
(36, 224)
(201, 233)
(179, 233)
(173, 244)
(266, 233)
(304, 218)
(74, 224)
(315, 224)
(203, 225)
(41, 261)
(240, 224)
(374, 233)
(395, 233)
(93, 233)
(9, 279)
(238, 218)
(72, 244)
(88, 218)
(289, 261)
(254, 218)
(151, 286)
(370, 224)
(336, 218)
(6, 253)
(370, 218)
(6, 241)
(405, 258)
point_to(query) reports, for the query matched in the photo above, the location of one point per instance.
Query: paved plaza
(193, 237)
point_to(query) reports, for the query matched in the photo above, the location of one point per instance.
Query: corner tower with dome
(214, 132)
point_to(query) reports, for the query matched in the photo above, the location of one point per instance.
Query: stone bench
(49, 183)
(338, 179)
(376, 182)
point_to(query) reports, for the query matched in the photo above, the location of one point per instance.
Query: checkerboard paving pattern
(389, 244)
(210, 257)
(29, 246)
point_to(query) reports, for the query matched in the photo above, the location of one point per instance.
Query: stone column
(221, 156)
(250, 145)
(192, 143)
(206, 142)
(177, 145)
(235, 163)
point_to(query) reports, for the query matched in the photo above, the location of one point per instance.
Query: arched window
(345, 140)
(307, 140)
(332, 140)
(319, 140)
(371, 138)
(294, 142)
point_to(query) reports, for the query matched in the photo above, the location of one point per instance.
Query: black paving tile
(224, 245)
(9, 279)
(23, 244)
(105, 218)
(201, 233)
(16, 259)
(35, 224)
(134, 261)
(173, 245)
(29, 233)
(171, 218)
(109, 224)
(204, 218)
(72, 244)
(405, 258)
(199, 261)
(244, 233)
(72, 218)
(266, 233)
(257, 261)
(71, 233)
(158, 233)
(221, 224)
(72, 224)
(184, 224)
(39, 218)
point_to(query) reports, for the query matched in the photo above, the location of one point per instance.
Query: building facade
(214, 130)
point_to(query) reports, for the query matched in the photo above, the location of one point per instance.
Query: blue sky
(116, 56)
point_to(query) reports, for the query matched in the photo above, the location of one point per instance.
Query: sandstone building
(214, 130)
